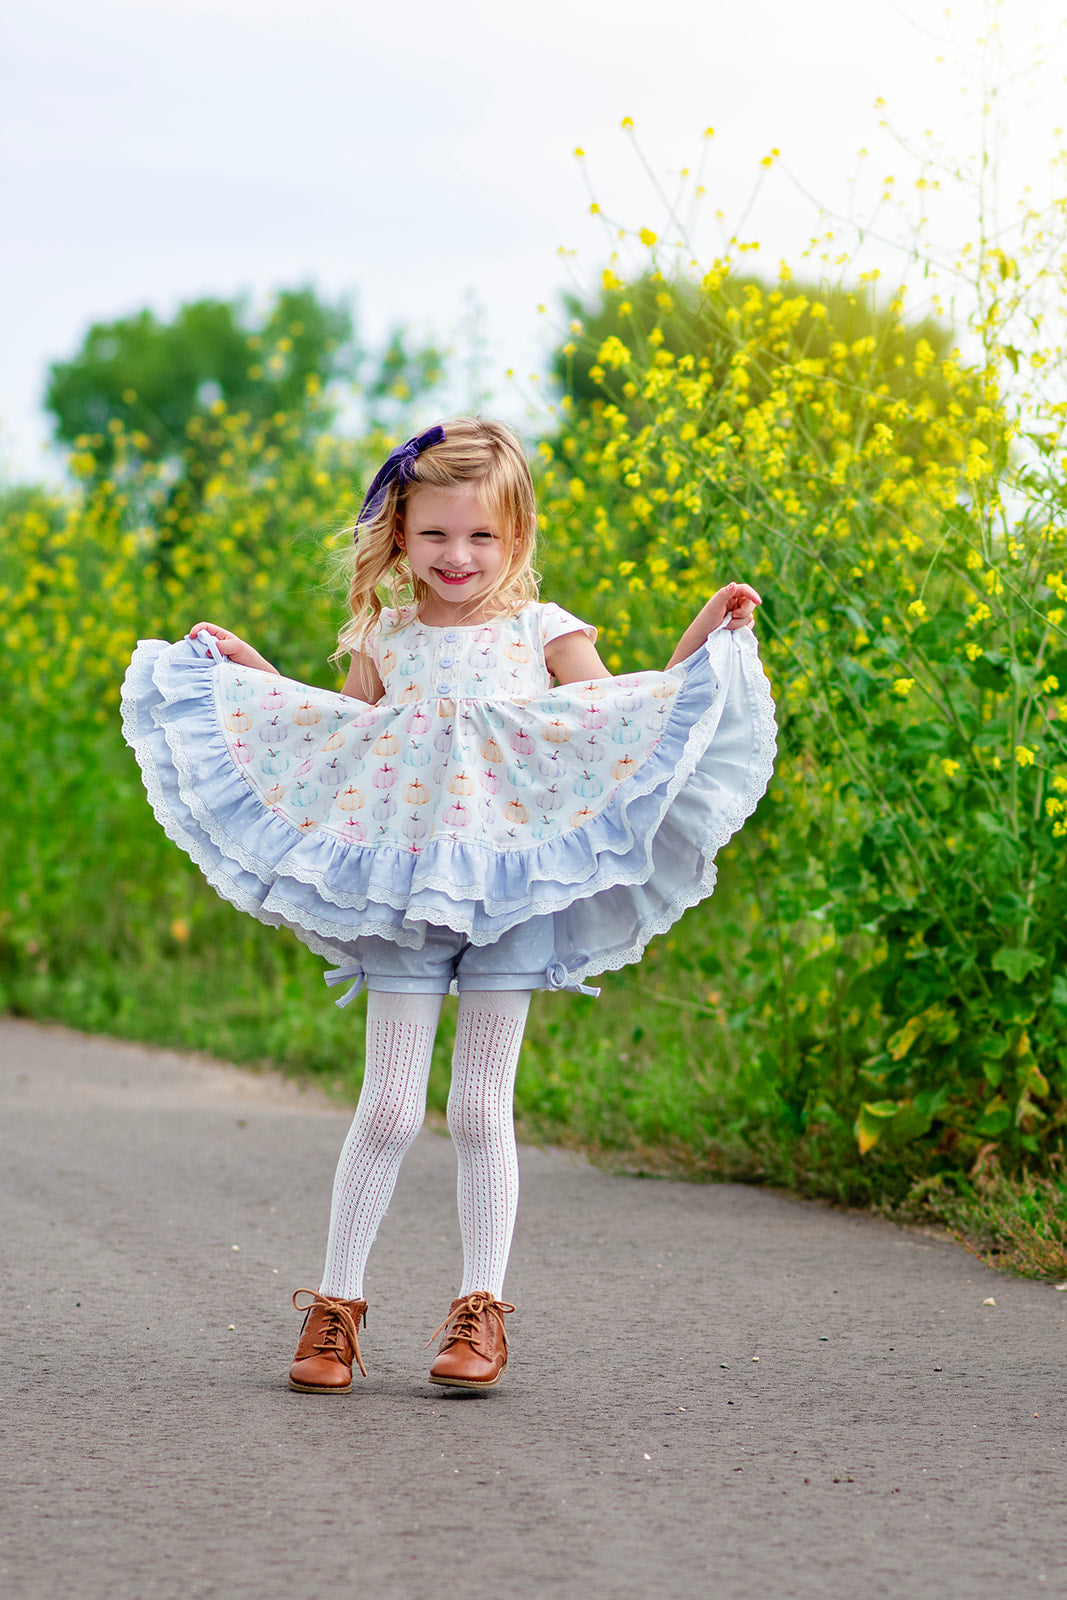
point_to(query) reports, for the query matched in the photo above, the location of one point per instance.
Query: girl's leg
(489, 1030)
(400, 1035)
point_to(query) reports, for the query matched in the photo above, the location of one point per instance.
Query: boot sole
(467, 1383)
(320, 1388)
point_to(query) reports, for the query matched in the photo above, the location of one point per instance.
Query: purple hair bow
(398, 464)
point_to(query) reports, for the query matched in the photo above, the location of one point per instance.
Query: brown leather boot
(329, 1342)
(474, 1350)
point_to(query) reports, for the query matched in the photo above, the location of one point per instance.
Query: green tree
(137, 384)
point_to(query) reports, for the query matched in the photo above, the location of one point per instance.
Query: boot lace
(464, 1323)
(339, 1326)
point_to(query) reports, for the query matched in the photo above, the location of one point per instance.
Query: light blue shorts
(523, 958)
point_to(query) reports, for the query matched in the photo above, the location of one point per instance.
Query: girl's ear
(398, 533)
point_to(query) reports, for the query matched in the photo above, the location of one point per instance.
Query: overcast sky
(415, 156)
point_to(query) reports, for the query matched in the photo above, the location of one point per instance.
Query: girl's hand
(737, 601)
(235, 649)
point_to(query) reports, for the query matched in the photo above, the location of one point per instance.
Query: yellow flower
(1023, 756)
(647, 237)
(1050, 684)
(579, 152)
(179, 930)
(626, 124)
(973, 651)
(1053, 806)
(903, 687)
(917, 609)
(1060, 785)
(950, 767)
(613, 353)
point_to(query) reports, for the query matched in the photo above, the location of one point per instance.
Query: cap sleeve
(373, 640)
(555, 622)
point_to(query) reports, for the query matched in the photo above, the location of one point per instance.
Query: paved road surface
(895, 1437)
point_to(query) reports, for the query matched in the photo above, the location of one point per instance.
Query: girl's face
(454, 547)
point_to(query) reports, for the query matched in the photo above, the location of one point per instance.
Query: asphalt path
(714, 1391)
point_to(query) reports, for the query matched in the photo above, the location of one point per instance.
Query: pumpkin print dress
(473, 796)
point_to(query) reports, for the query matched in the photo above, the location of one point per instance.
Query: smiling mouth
(454, 577)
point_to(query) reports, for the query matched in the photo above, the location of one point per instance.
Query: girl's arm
(737, 600)
(363, 682)
(572, 658)
(240, 653)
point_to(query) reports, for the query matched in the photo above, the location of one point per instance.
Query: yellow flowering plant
(94, 893)
(896, 490)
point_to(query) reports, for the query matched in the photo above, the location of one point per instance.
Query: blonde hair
(485, 455)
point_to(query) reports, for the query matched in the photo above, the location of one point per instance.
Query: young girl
(483, 806)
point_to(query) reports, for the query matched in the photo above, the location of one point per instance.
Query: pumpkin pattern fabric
(473, 795)
(440, 756)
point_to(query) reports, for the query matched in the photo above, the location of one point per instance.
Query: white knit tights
(481, 1120)
(400, 1034)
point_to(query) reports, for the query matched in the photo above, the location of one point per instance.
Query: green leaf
(899, 1043)
(1011, 1006)
(935, 630)
(942, 1024)
(988, 674)
(930, 1102)
(873, 1120)
(1009, 908)
(924, 737)
(1016, 962)
(995, 1119)
(1022, 674)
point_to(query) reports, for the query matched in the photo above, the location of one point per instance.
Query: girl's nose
(456, 553)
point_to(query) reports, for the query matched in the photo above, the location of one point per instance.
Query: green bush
(903, 968)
